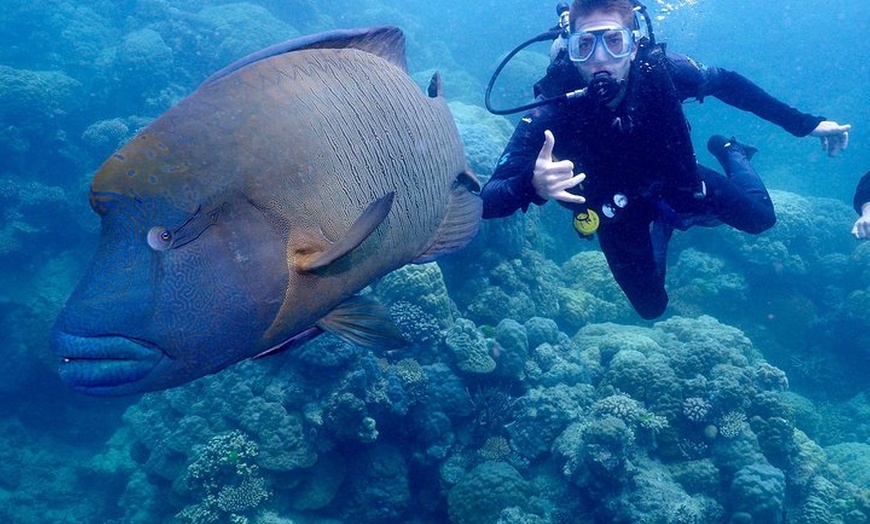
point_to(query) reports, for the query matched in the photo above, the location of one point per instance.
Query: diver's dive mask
(617, 40)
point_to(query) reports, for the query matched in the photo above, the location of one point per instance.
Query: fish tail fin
(462, 220)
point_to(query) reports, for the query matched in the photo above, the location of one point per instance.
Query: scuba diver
(861, 203)
(611, 107)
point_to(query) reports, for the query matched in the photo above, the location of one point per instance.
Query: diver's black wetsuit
(642, 150)
(862, 192)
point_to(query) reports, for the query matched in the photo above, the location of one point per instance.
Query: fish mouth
(104, 365)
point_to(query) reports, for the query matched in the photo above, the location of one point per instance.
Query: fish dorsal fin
(363, 321)
(363, 226)
(436, 88)
(387, 42)
(462, 220)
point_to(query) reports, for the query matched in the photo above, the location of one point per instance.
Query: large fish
(246, 219)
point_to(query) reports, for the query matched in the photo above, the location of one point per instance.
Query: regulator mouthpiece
(604, 88)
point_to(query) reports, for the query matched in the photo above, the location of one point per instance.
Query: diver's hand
(861, 229)
(835, 137)
(551, 179)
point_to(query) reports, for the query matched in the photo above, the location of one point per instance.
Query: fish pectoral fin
(462, 220)
(363, 321)
(373, 215)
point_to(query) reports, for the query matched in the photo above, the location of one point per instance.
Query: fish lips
(104, 365)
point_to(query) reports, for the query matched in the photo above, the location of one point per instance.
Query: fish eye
(159, 238)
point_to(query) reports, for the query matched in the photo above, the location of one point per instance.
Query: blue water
(532, 393)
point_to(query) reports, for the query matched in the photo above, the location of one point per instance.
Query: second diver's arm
(861, 203)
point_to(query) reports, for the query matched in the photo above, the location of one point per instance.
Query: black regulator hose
(550, 35)
(559, 30)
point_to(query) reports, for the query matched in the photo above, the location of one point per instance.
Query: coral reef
(591, 294)
(40, 110)
(483, 134)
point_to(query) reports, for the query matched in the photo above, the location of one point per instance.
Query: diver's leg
(629, 252)
(739, 199)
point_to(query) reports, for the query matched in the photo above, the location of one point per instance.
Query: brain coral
(759, 490)
(591, 294)
(471, 349)
(419, 284)
(480, 496)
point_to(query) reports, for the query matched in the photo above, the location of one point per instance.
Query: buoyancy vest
(640, 153)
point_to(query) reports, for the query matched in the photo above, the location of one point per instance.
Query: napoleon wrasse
(245, 220)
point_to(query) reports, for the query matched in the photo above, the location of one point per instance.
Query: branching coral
(494, 410)
(696, 409)
(731, 424)
(225, 478)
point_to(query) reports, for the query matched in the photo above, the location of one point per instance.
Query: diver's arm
(861, 203)
(861, 229)
(862, 193)
(695, 81)
(510, 187)
(738, 91)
